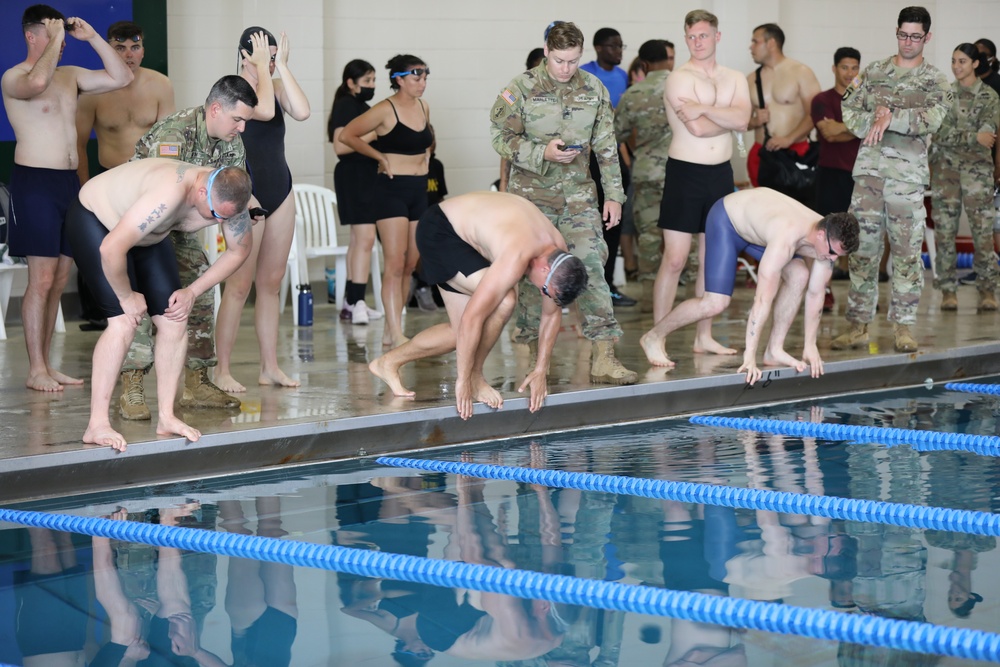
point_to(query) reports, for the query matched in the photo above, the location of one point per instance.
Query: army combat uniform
(184, 136)
(962, 172)
(528, 114)
(889, 182)
(642, 109)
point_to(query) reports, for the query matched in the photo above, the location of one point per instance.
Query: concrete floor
(339, 395)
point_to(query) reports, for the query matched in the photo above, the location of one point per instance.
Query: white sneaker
(359, 314)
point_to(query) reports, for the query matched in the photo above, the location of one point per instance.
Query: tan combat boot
(856, 336)
(132, 404)
(606, 369)
(987, 302)
(200, 392)
(646, 303)
(902, 340)
(949, 301)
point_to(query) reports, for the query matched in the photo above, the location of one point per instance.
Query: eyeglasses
(134, 38)
(416, 71)
(914, 37)
(614, 45)
(552, 269)
(208, 196)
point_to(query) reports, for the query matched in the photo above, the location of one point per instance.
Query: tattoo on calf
(154, 215)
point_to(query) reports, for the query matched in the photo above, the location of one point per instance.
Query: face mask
(366, 94)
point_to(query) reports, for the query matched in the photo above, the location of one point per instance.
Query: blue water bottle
(305, 305)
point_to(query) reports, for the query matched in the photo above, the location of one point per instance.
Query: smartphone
(258, 212)
(573, 147)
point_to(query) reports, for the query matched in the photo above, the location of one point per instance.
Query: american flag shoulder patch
(168, 150)
(508, 96)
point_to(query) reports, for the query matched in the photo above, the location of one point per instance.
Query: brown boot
(199, 392)
(902, 340)
(132, 404)
(856, 336)
(646, 303)
(949, 301)
(606, 369)
(987, 302)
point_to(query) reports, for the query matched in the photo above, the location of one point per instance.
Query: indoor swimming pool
(76, 599)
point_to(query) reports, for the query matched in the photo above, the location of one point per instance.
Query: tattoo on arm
(239, 226)
(153, 216)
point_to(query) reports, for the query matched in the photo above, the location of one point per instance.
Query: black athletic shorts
(689, 190)
(152, 270)
(443, 253)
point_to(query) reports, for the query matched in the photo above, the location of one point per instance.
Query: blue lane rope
(973, 388)
(699, 607)
(986, 445)
(851, 509)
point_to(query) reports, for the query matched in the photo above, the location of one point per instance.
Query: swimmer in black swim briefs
(780, 232)
(477, 247)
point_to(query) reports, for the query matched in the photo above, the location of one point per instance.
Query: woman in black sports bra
(264, 139)
(402, 153)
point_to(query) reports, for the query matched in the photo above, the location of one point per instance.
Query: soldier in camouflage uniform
(895, 104)
(641, 109)
(962, 172)
(207, 136)
(546, 123)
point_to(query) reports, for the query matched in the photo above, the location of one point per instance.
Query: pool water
(71, 597)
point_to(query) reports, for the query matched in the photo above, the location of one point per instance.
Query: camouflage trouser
(958, 179)
(580, 225)
(650, 239)
(886, 205)
(191, 263)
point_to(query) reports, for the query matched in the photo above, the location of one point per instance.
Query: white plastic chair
(6, 285)
(316, 225)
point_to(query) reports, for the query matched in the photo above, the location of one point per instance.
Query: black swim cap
(246, 43)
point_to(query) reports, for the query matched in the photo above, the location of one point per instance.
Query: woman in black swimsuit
(354, 183)
(264, 139)
(402, 153)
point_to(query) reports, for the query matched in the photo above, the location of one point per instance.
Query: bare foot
(389, 341)
(62, 378)
(228, 383)
(656, 352)
(389, 373)
(711, 346)
(782, 358)
(484, 393)
(43, 382)
(174, 426)
(103, 434)
(277, 378)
